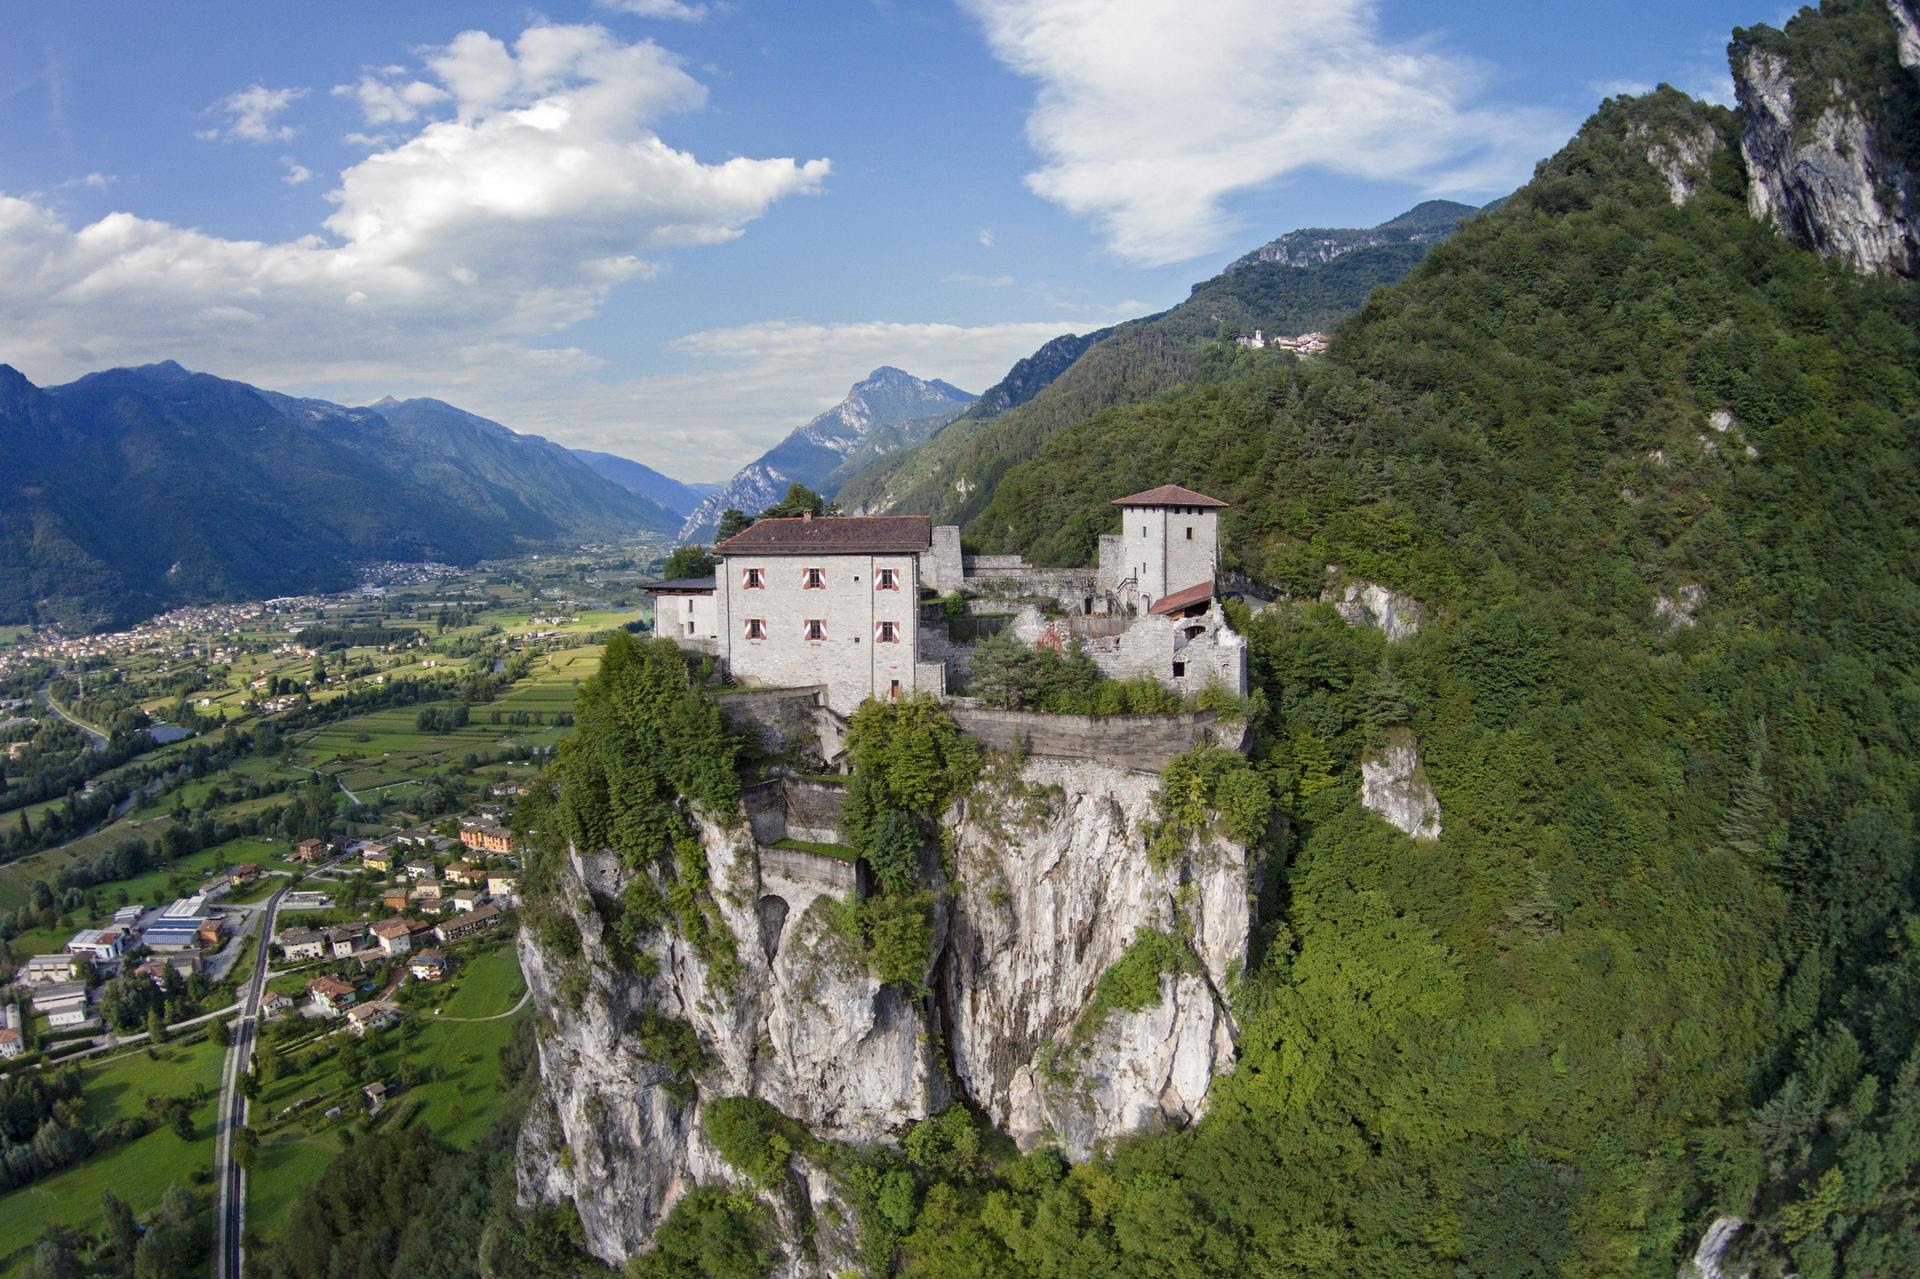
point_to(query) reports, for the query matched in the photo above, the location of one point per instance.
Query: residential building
(422, 870)
(832, 601)
(11, 1044)
(308, 850)
(396, 899)
(471, 924)
(211, 932)
(503, 887)
(372, 1016)
(343, 940)
(428, 965)
(467, 873)
(395, 936)
(102, 945)
(467, 899)
(683, 610)
(275, 1003)
(331, 995)
(489, 837)
(302, 943)
(376, 857)
(245, 871)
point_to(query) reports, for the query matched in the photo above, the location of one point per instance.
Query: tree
(732, 520)
(800, 500)
(691, 560)
(123, 1232)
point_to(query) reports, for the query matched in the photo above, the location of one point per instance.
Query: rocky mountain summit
(1830, 155)
(884, 412)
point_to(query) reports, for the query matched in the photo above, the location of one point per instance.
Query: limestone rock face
(1394, 785)
(1680, 156)
(1712, 1259)
(1825, 181)
(1140, 1070)
(800, 1026)
(1678, 609)
(1052, 886)
(1052, 883)
(1369, 604)
(1906, 24)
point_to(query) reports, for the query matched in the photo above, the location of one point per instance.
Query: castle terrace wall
(1143, 743)
(813, 810)
(784, 719)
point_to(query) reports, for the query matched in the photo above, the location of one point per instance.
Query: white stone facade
(1162, 549)
(850, 622)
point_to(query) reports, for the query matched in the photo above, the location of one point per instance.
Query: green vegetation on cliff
(1659, 965)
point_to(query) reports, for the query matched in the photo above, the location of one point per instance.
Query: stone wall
(813, 810)
(784, 719)
(1142, 743)
(943, 568)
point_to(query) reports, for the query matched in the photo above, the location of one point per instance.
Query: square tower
(1169, 540)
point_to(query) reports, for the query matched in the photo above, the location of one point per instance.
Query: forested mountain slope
(1311, 280)
(1662, 963)
(135, 490)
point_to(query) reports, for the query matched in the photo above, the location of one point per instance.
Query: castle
(835, 601)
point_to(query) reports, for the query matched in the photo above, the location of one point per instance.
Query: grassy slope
(139, 1171)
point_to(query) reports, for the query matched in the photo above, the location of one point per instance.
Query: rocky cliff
(1051, 890)
(1826, 111)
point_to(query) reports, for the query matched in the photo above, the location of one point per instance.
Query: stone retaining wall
(1143, 743)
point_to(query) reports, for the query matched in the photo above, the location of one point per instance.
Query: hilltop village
(863, 605)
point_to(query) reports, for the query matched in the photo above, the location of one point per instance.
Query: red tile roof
(1198, 593)
(833, 535)
(1168, 495)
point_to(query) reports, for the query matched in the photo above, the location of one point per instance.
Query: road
(95, 738)
(230, 1213)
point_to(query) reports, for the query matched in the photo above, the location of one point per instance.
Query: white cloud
(452, 259)
(1616, 88)
(678, 10)
(253, 114)
(980, 281)
(985, 237)
(390, 96)
(297, 173)
(1151, 114)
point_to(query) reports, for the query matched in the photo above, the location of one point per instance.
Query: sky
(676, 229)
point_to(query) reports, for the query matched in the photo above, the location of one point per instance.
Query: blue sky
(675, 230)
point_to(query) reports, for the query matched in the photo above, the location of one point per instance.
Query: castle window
(756, 628)
(886, 633)
(888, 580)
(816, 628)
(816, 579)
(1189, 532)
(752, 579)
(1179, 670)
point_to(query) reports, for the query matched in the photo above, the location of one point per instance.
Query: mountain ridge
(129, 491)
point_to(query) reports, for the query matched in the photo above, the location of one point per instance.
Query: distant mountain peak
(888, 410)
(383, 402)
(1424, 223)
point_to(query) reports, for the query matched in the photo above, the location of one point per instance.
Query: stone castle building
(835, 601)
